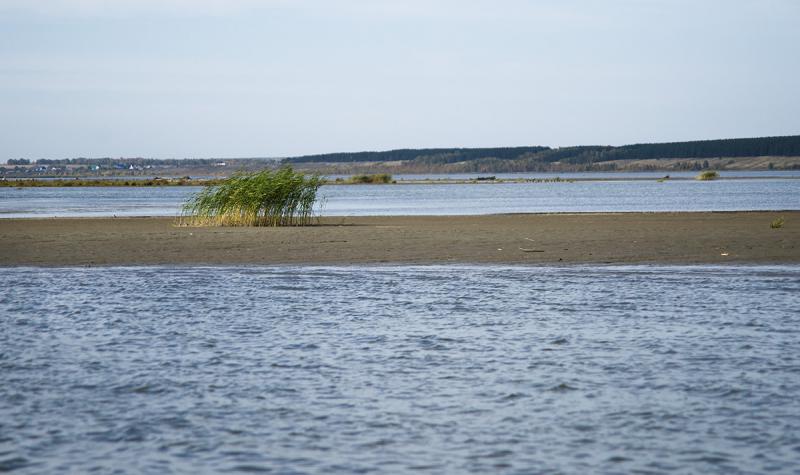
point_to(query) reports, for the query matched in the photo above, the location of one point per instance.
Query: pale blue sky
(238, 78)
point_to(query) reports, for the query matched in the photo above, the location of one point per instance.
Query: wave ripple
(447, 369)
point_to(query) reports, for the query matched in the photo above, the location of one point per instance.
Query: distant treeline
(750, 147)
(458, 154)
(507, 159)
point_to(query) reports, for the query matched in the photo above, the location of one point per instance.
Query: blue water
(473, 369)
(409, 199)
(653, 175)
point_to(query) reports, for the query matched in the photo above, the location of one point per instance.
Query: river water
(748, 192)
(453, 369)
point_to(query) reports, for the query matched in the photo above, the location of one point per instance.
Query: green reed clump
(377, 179)
(777, 224)
(267, 198)
(707, 175)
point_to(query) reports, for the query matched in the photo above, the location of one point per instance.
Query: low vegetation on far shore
(267, 198)
(708, 175)
(375, 179)
(39, 183)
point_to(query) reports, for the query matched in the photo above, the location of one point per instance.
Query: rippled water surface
(399, 369)
(781, 192)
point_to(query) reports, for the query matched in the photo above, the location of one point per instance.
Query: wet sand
(623, 238)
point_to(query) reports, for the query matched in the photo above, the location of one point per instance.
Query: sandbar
(533, 239)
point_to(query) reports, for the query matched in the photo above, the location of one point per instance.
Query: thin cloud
(117, 7)
(366, 9)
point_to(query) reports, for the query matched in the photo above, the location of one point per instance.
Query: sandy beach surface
(674, 238)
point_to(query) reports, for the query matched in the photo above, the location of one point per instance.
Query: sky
(270, 78)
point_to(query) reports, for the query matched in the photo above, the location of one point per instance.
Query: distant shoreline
(530, 239)
(478, 180)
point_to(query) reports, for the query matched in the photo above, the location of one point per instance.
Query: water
(587, 196)
(361, 200)
(475, 369)
(651, 175)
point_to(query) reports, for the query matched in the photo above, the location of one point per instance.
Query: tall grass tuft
(777, 224)
(267, 198)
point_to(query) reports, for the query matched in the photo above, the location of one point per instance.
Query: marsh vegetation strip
(400, 369)
(366, 200)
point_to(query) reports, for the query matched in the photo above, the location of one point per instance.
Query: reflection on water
(408, 199)
(400, 369)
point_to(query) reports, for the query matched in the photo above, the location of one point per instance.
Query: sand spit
(608, 238)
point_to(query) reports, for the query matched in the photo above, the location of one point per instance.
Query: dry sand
(675, 238)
